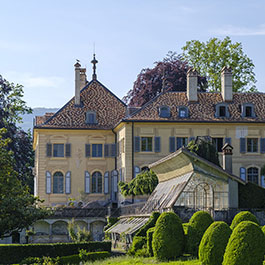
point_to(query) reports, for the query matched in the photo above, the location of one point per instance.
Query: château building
(94, 141)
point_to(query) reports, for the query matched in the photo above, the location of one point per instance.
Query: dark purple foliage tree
(169, 74)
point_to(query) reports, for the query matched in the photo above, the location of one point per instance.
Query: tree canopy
(170, 74)
(12, 106)
(209, 57)
(17, 206)
(144, 183)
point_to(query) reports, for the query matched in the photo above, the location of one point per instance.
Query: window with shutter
(91, 117)
(106, 182)
(182, 141)
(68, 150)
(253, 175)
(262, 145)
(87, 182)
(87, 146)
(252, 145)
(219, 143)
(96, 150)
(172, 144)
(48, 182)
(68, 182)
(243, 173)
(242, 145)
(164, 112)
(157, 144)
(146, 144)
(49, 150)
(58, 181)
(228, 140)
(58, 150)
(114, 175)
(137, 144)
(106, 150)
(113, 150)
(97, 182)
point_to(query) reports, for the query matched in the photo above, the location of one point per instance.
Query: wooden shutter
(113, 150)
(106, 182)
(87, 150)
(114, 174)
(157, 144)
(242, 145)
(68, 182)
(228, 140)
(106, 150)
(48, 182)
(243, 173)
(262, 145)
(179, 142)
(49, 150)
(87, 182)
(172, 144)
(68, 150)
(137, 144)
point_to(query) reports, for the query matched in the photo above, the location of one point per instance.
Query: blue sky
(40, 40)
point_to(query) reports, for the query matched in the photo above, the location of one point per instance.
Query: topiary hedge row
(14, 253)
(150, 233)
(138, 243)
(213, 243)
(168, 237)
(243, 216)
(150, 223)
(245, 246)
(192, 239)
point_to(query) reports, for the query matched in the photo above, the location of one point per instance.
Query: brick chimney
(192, 82)
(226, 83)
(80, 81)
(227, 158)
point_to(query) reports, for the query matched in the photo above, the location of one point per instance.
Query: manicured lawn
(125, 260)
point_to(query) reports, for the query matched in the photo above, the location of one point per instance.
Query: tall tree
(17, 206)
(169, 73)
(12, 106)
(208, 58)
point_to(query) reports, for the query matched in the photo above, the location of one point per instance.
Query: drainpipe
(116, 150)
(133, 155)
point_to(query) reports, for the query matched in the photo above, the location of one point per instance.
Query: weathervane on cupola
(94, 62)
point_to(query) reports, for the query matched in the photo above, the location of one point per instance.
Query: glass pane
(58, 150)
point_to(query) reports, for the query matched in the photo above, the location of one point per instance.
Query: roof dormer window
(183, 112)
(164, 112)
(91, 117)
(248, 110)
(221, 110)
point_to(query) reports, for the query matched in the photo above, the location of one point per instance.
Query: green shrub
(150, 233)
(14, 253)
(192, 239)
(168, 237)
(40, 261)
(245, 246)
(263, 229)
(110, 222)
(213, 243)
(243, 216)
(150, 223)
(73, 259)
(251, 196)
(92, 256)
(201, 221)
(137, 244)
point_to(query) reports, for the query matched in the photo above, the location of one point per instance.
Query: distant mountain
(28, 118)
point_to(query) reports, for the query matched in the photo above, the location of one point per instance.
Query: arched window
(58, 180)
(97, 182)
(248, 110)
(253, 175)
(221, 110)
(164, 112)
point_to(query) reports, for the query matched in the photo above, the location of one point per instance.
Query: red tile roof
(94, 97)
(203, 110)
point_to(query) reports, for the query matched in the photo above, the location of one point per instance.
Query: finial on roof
(77, 64)
(94, 62)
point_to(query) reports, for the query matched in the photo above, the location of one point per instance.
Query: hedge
(168, 238)
(150, 223)
(213, 243)
(251, 196)
(73, 259)
(243, 216)
(150, 233)
(245, 246)
(14, 253)
(201, 221)
(192, 239)
(137, 244)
